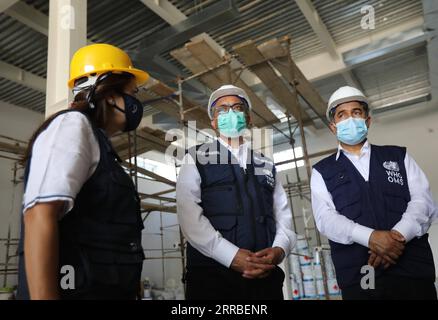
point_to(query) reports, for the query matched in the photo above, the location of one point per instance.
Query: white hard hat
(344, 94)
(227, 90)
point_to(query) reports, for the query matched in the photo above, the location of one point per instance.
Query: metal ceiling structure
(390, 72)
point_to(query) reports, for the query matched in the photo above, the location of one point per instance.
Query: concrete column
(67, 33)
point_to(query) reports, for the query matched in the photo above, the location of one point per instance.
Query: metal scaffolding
(301, 188)
(15, 148)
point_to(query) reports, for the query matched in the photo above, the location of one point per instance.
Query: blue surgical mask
(231, 124)
(352, 131)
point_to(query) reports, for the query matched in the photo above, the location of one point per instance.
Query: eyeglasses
(225, 108)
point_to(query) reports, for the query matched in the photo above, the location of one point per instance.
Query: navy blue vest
(237, 202)
(378, 204)
(101, 236)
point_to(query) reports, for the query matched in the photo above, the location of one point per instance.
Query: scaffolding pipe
(135, 161)
(13, 139)
(162, 247)
(8, 158)
(181, 236)
(292, 208)
(313, 155)
(307, 162)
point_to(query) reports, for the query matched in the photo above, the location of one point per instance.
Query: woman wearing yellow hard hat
(82, 222)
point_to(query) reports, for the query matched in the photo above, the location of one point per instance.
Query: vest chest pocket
(110, 268)
(346, 196)
(216, 174)
(220, 201)
(349, 206)
(395, 203)
(337, 181)
(226, 225)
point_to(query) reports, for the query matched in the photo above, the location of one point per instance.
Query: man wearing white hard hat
(236, 220)
(374, 205)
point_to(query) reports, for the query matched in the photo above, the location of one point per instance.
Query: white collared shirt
(414, 223)
(198, 230)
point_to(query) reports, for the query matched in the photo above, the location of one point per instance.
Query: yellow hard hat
(100, 58)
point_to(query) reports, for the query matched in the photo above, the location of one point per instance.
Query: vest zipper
(254, 232)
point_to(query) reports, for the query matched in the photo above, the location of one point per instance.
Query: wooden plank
(252, 57)
(184, 56)
(12, 148)
(147, 139)
(150, 174)
(274, 49)
(199, 56)
(163, 192)
(209, 58)
(170, 107)
(152, 196)
(121, 146)
(156, 138)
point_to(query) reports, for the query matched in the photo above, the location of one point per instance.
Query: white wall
(18, 123)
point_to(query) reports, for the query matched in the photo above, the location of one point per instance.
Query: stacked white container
(332, 284)
(306, 272)
(296, 277)
(305, 258)
(317, 268)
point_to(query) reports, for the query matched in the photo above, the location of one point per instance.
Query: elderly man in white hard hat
(374, 205)
(237, 222)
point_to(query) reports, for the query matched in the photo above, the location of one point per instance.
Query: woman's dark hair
(113, 83)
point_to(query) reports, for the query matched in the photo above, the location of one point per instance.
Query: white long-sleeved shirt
(197, 228)
(414, 222)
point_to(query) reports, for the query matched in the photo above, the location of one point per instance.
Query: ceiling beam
(216, 15)
(172, 15)
(311, 14)
(322, 65)
(29, 16)
(159, 67)
(254, 58)
(316, 67)
(148, 173)
(277, 51)
(397, 42)
(20, 76)
(166, 10)
(6, 4)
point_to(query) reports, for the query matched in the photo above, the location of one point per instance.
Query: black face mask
(133, 112)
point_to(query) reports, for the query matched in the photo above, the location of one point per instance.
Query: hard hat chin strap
(118, 108)
(91, 92)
